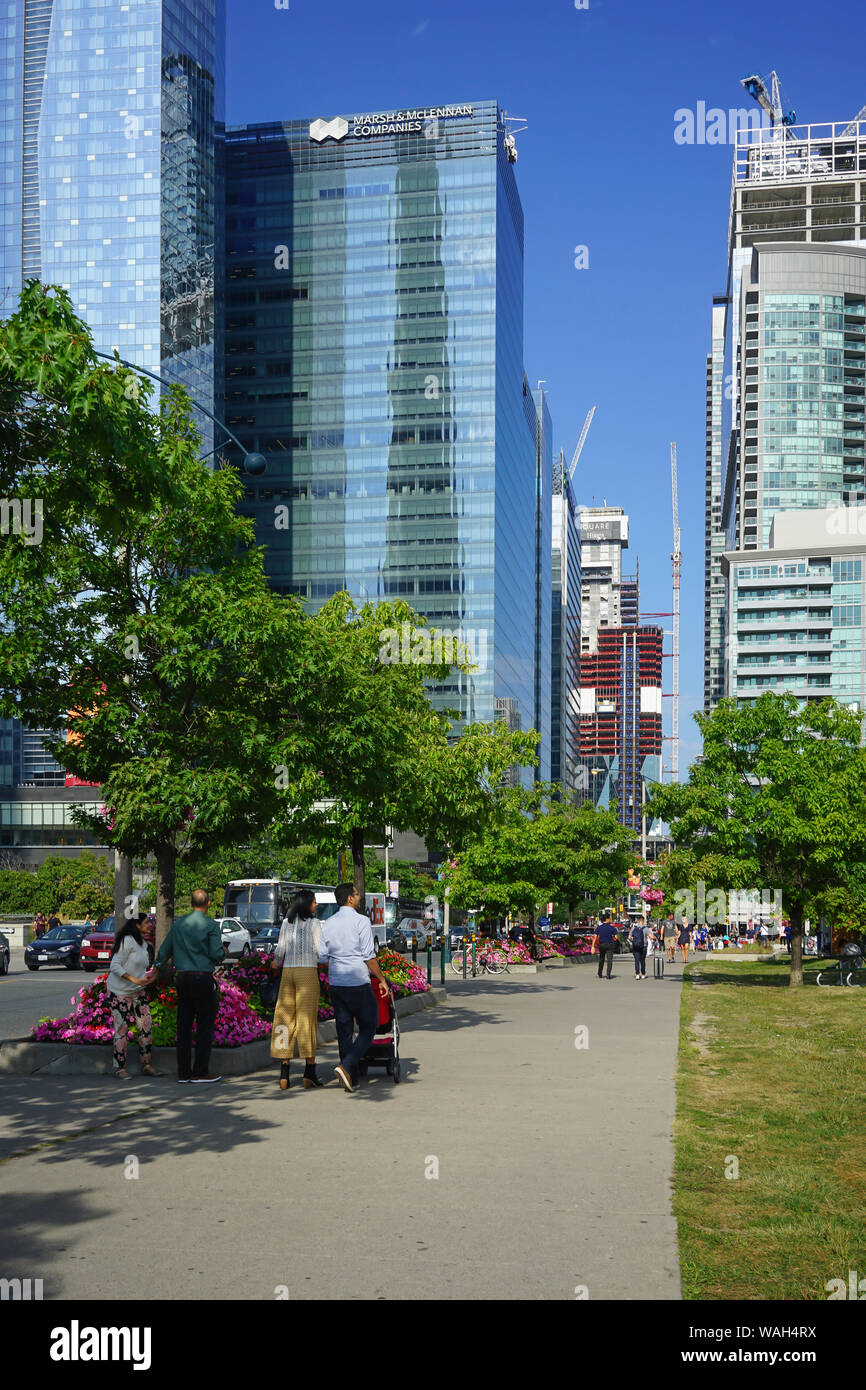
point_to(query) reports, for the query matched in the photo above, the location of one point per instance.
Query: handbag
(269, 991)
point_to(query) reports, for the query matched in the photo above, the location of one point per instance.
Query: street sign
(544, 921)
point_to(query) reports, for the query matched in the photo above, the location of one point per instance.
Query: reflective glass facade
(374, 354)
(108, 174)
(565, 637)
(543, 581)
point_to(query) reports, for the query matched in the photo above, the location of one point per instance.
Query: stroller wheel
(389, 1067)
(395, 1072)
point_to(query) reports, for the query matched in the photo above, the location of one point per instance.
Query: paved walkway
(554, 1163)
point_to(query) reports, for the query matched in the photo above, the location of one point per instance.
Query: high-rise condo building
(790, 392)
(374, 355)
(109, 187)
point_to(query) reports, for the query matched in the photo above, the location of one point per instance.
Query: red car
(96, 945)
(95, 953)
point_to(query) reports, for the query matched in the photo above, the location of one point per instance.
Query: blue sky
(599, 168)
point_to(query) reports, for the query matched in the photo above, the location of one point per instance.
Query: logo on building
(337, 129)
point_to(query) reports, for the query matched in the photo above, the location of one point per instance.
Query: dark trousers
(639, 953)
(196, 1001)
(608, 952)
(354, 1004)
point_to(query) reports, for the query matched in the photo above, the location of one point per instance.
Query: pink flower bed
(90, 1020)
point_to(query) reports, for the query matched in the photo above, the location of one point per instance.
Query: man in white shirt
(347, 944)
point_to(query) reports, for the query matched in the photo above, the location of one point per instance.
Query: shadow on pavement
(149, 1117)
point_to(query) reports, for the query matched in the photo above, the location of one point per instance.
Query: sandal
(123, 1075)
(150, 1071)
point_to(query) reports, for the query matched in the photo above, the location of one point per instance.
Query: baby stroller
(384, 1051)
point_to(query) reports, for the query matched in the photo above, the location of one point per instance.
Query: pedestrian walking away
(637, 940)
(128, 977)
(347, 944)
(669, 935)
(606, 942)
(296, 1015)
(684, 940)
(194, 944)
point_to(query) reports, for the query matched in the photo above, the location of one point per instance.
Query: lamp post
(254, 464)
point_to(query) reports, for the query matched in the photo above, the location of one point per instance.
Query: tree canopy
(776, 802)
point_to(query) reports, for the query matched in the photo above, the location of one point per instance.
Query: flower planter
(24, 1057)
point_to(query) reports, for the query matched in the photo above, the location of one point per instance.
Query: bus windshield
(256, 905)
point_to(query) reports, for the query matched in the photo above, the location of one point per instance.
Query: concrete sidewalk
(554, 1163)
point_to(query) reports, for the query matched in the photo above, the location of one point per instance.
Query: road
(26, 996)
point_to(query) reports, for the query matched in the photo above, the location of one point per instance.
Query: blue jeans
(639, 953)
(354, 1003)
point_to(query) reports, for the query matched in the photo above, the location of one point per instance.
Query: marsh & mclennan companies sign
(409, 122)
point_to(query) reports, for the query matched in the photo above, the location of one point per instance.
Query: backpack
(637, 936)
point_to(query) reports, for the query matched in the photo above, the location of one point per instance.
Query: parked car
(235, 936)
(265, 941)
(96, 946)
(59, 946)
(5, 954)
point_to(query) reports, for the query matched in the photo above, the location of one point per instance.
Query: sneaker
(122, 1074)
(209, 1076)
(184, 1080)
(344, 1078)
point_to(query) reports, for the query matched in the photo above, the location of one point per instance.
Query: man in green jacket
(194, 944)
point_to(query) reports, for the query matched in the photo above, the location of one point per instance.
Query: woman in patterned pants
(128, 977)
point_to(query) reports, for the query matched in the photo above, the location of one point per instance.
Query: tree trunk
(571, 918)
(796, 947)
(124, 907)
(166, 867)
(358, 867)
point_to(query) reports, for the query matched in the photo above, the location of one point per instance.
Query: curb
(24, 1057)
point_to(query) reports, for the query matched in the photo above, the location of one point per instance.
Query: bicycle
(489, 960)
(844, 971)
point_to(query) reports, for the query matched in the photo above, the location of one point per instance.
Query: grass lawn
(775, 1079)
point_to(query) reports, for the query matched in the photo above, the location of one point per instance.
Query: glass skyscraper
(374, 355)
(109, 187)
(565, 635)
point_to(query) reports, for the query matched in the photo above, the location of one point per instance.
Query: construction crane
(851, 129)
(580, 443)
(676, 559)
(770, 100)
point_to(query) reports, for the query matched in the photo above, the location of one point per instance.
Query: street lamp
(254, 464)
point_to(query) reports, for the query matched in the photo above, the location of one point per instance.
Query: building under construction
(620, 738)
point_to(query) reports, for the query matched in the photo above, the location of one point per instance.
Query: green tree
(145, 610)
(78, 888)
(778, 800)
(588, 849)
(19, 891)
(383, 754)
(536, 848)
